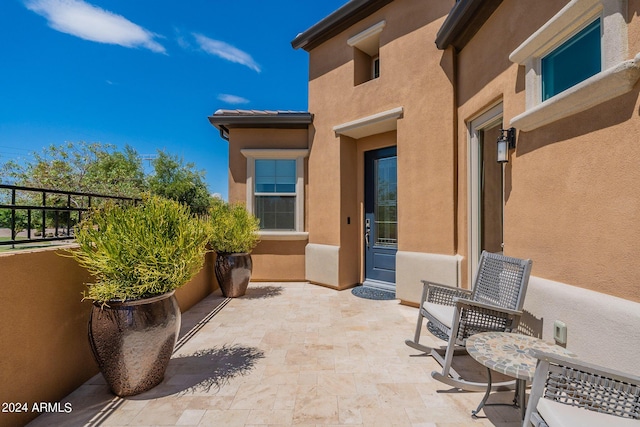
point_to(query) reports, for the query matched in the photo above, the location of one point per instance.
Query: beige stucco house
(392, 175)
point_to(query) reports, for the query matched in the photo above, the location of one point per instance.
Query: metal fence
(43, 215)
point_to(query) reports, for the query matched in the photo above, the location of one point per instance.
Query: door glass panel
(386, 202)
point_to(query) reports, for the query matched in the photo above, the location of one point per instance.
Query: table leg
(486, 395)
(521, 386)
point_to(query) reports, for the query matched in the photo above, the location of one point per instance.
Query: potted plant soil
(233, 233)
(138, 256)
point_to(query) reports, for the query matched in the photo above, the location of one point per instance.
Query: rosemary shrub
(139, 251)
(232, 229)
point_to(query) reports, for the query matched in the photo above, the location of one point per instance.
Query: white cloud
(89, 22)
(232, 99)
(226, 51)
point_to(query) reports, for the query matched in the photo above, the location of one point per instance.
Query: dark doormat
(372, 293)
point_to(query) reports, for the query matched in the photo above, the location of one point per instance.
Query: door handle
(367, 232)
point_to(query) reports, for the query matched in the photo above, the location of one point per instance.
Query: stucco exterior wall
(272, 259)
(601, 329)
(571, 199)
(43, 338)
(414, 75)
(278, 260)
(571, 192)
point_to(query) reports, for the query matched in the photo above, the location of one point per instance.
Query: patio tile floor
(290, 354)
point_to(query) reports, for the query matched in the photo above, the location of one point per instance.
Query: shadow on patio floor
(291, 354)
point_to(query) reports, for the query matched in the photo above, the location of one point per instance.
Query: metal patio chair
(453, 314)
(568, 391)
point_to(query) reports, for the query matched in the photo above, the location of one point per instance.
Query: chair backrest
(574, 382)
(501, 280)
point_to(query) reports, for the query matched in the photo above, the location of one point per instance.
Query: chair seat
(499, 279)
(558, 414)
(442, 313)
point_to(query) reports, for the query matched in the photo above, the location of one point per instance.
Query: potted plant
(138, 256)
(233, 233)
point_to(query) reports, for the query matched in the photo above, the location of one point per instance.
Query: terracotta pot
(132, 341)
(233, 271)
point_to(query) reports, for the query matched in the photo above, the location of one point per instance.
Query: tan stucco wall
(272, 259)
(200, 286)
(43, 337)
(45, 350)
(414, 75)
(571, 189)
(278, 260)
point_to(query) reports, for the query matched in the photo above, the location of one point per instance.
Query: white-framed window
(574, 61)
(275, 193)
(375, 67)
(275, 190)
(592, 32)
(366, 53)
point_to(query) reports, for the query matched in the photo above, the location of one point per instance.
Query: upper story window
(573, 61)
(275, 191)
(366, 53)
(375, 67)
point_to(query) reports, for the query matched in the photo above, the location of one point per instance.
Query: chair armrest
(442, 294)
(583, 366)
(469, 304)
(473, 317)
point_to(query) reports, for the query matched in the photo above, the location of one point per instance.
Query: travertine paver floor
(290, 354)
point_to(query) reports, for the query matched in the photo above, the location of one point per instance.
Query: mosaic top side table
(509, 354)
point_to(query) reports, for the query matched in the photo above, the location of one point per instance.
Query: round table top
(509, 353)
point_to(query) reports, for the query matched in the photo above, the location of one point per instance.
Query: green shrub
(232, 229)
(140, 251)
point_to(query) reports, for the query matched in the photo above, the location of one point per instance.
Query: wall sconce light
(506, 141)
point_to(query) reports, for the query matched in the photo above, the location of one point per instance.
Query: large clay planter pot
(233, 271)
(133, 341)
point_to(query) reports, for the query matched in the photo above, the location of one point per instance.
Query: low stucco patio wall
(279, 261)
(601, 329)
(43, 332)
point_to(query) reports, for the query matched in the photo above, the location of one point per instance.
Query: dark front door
(381, 217)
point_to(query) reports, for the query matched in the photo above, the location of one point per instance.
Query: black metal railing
(44, 215)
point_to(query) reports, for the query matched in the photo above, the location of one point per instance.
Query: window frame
(375, 67)
(617, 76)
(366, 44)
(289, 194)
(564, 45)
(299, 156)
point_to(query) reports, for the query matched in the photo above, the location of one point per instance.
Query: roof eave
(463, 22)
(281, 120)
(343, 18)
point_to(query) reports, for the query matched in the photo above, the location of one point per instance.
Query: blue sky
(147, 73)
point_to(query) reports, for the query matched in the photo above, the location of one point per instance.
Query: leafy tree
(82, 167)
(20, 219)
(181, 182)
(100, 168)
(79, 167)
(117, 173)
